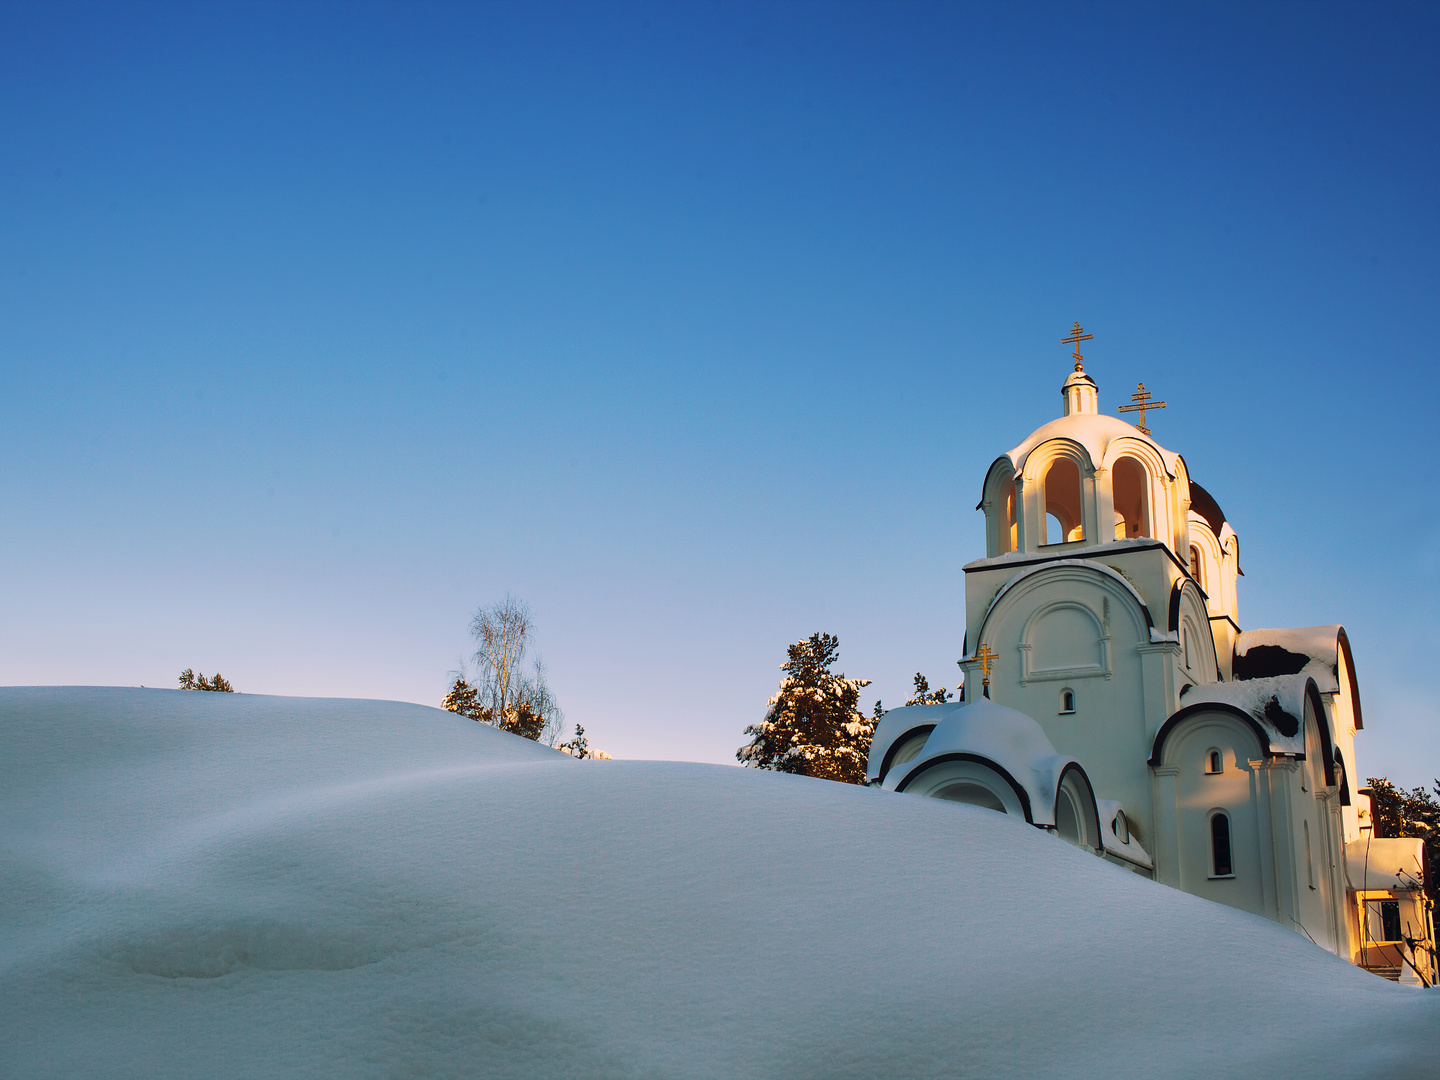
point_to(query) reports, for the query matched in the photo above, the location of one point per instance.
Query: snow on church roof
(997, 733)
(1305, 650)
(1276, 704)
(1095, 432)
(1386, 862)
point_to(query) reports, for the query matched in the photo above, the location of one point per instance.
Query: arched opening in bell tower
(1008, 530)
(1131, 488)
(1062, 502)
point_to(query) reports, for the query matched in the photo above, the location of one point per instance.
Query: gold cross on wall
(1141, 397)
(1076, 336)
(986, 658)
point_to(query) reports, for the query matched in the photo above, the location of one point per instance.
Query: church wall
(1238, 791)
(1072, 628)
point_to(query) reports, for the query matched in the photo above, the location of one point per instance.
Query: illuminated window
(1195, 566)
(1214, 762)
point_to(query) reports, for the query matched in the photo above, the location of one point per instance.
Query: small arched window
(1220, 846)
(1214, 762)
(1120, 826)
(1067, 701)
(1130, 485)
(1195, 566)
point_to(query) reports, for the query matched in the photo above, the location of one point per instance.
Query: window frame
(1212, 819)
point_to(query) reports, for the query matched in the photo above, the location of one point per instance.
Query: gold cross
(1076, 336)
(986, 658)
(1141, 397)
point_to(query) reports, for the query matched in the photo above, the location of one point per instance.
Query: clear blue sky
(696, 325)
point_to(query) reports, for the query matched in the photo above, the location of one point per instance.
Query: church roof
(1306, 650)
(1276, 704)
(997, 734)
(1204, 504)
(1386, 862)
(1095, 432)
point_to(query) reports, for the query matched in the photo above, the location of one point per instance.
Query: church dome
(1086, 478)
(1093, 431)
(983, 733)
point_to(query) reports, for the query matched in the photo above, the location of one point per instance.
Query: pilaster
(1166, 826)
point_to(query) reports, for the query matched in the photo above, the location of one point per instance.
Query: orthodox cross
(986, 658)
(1141, 397)
(1076, 336)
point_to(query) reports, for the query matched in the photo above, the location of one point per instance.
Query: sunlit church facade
(1112, 698)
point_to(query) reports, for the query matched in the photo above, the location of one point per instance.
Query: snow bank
(236, 886)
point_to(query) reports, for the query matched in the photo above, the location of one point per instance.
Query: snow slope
(212, 885)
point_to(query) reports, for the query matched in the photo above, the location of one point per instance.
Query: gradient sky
(696, 326)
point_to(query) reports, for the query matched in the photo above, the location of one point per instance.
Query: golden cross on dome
(1141, 397)
(986, 658)
(1076, 336)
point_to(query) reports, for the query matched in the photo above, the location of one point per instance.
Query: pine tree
(462, 698)
(924, 695)
(190, 681)
(812, 725)
(1400, 813)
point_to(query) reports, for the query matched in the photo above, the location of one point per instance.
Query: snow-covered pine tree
(812, 725)
(923, 695)
(462, 698)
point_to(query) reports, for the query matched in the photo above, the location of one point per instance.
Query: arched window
(1062, 502)
(1195, 565)
(1220, 846)
(1214, 763)
(1130, 484)
(1067, 701)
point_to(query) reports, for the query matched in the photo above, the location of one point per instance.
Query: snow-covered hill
(215, 885)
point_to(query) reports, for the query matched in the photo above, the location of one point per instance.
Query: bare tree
(502, 636)
(504, 694)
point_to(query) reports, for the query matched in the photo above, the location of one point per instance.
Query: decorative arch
(1118, 594)
(1001, 502)
(1130, 484)
(1343, 644)
(905, 749)
(1058, 479)
(939, 773)
(1189, 613)
(1206, 710)
(1079, 625)
(1212, 555)
(1156, 476)
(1077, 817)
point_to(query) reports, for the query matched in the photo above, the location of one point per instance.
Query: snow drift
(237, 886)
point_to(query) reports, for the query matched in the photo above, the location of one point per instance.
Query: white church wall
(1188, 858)
(1074, 627)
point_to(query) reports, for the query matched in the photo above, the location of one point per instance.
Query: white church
(1112, 698)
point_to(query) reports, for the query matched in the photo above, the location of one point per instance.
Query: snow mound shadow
(211, 950)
